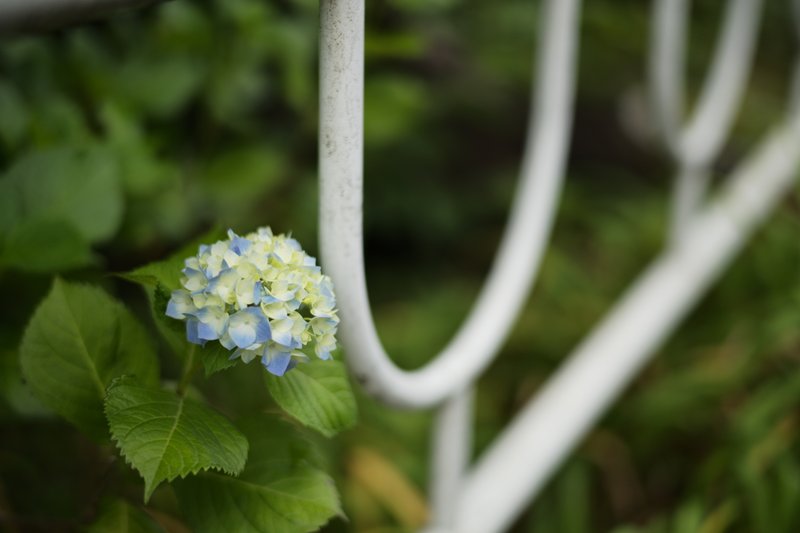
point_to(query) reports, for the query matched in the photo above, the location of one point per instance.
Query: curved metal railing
(695, 143)
(705, 236)
(341, 198)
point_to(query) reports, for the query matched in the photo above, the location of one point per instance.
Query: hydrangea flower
(259, 296)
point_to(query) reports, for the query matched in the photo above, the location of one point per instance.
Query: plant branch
(190, 367)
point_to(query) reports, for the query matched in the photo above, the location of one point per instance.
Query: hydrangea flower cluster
(259, 295)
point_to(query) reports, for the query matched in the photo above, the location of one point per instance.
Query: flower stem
(189, 369)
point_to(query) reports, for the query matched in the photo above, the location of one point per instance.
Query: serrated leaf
(318, 394)
(215, 358)
(78, 340)
(165, 436)
(213, 355)
(168, 272)
(159, 279)
(173, 331)
(282, 490)
(119, 516)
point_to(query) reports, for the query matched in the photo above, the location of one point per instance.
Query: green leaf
(165, 436)
(55, 117)
(215, 358)
(173, 330)
(238, 179)
(213, 355)
(318, 394)
(10, 208)
(142, 173)
(282, 490)
(168, 272)
(16, 393)
(159, 279)
(40, 242)
(78, 185)
(119, 516)
(45, 245)
(14, 117)
(78, 340)
(157, 84)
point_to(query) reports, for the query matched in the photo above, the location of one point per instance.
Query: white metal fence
(707, 229)
(705, 236)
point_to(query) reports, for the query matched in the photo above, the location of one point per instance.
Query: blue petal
(283, 337)
(238, 244)
(172, 310)
(195, 279)
(242, 334)
(268, 299)
(189, 271)
(263, 331)
(192, 334)
(278, 364)
(206, 331)
(237, 354)
(226, 342)
(247, 326)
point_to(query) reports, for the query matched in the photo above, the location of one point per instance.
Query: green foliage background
(122, 140)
